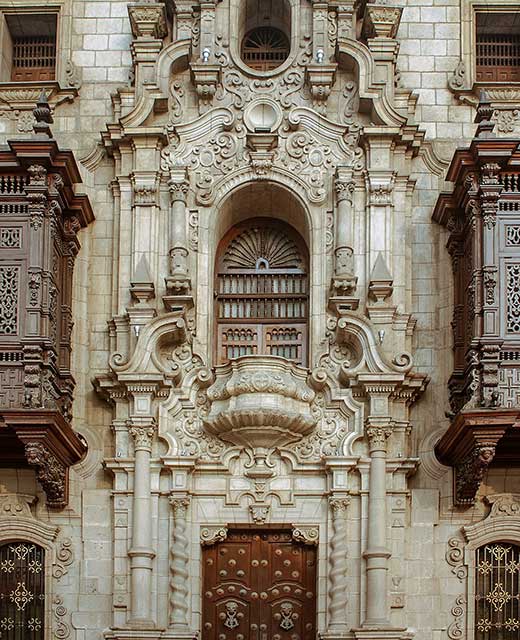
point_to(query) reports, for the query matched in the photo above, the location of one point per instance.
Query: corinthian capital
(178, 190)
(377, 437)
(179, 505)
(344, 189)
(143, 436)
(338, 507)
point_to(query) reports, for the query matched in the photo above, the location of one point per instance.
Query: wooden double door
(259, 585)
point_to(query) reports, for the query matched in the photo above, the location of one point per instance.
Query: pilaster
(148, 22)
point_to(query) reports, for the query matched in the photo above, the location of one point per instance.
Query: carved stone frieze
(307, 534)
(148, 20)
(260, 403)
(211, 534)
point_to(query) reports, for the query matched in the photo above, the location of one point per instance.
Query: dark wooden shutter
(265, 48)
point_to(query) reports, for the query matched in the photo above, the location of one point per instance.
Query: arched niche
(249, 15)
(263, 206)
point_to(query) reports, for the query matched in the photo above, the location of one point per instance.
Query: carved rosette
(179, 574)
(51, 473)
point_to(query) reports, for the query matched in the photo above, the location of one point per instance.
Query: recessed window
(497, 47)
(262, 292)
(22, 591)
(265, 48)
(497, 593)
(29, 47)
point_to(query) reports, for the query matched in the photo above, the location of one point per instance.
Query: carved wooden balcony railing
(482, 215)
(40, 216)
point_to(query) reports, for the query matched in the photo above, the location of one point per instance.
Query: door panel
(259, 585)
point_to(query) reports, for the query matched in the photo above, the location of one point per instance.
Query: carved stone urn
(260, 402)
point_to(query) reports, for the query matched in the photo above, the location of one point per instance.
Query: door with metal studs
(259, 585)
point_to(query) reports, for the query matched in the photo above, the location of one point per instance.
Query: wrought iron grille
(34, 58)
(497, 595)
(22, 591)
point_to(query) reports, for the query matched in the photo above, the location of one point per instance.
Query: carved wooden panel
(262, 292)
(22, 591)
(259, 585)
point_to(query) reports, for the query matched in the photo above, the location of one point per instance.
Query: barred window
(265, 48)
(29, 44)
(497, 592)
(262, 292)
(22, 591)
(498, 47)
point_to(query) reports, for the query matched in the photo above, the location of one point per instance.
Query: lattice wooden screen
(498, 57)
(265, 48)
(34, 58)
(262, 293)
(22, 591)
(497, 593)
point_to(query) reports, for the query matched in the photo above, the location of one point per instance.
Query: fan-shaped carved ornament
(261, 248)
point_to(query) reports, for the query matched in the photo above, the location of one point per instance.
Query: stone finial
(43, 116)
(381, 281)
(141, 286)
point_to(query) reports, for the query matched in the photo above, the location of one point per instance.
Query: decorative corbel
(261, 150)
(381, 21)
(211, 534)
(148, 20)
(321, 78)
(206, 78)
(51, 473)
(308, 534)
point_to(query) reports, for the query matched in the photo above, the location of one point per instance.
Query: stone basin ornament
(260, 402)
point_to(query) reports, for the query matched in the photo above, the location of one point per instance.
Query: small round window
(265, 48)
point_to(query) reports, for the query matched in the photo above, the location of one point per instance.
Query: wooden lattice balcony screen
(498, 57)
(262, 294)
(34, 58)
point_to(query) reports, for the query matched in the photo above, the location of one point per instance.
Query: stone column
(377, 554)
(338, 567)
(344, 282)
(179, 573)
(141, 553)
(178, 282)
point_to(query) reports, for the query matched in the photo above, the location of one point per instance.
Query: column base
(149, 634)
(333, 634)
(383, 633)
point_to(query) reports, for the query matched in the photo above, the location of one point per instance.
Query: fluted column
(344, 281)
(178, 281)
(338, 566)
(179, 573)
(141, 553)
(377, 554)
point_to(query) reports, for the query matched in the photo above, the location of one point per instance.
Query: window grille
(497, 594)
(497, 47)
(22, 591)
(262, 293)
(265, 48)
(34, 58)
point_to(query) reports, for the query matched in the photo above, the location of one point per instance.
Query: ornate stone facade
(344, 139)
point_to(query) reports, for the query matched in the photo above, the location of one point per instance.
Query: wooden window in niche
(33, 39)
(497, 593)
(22, 591)
(498, 47)
(262, 292)
(265, 48)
